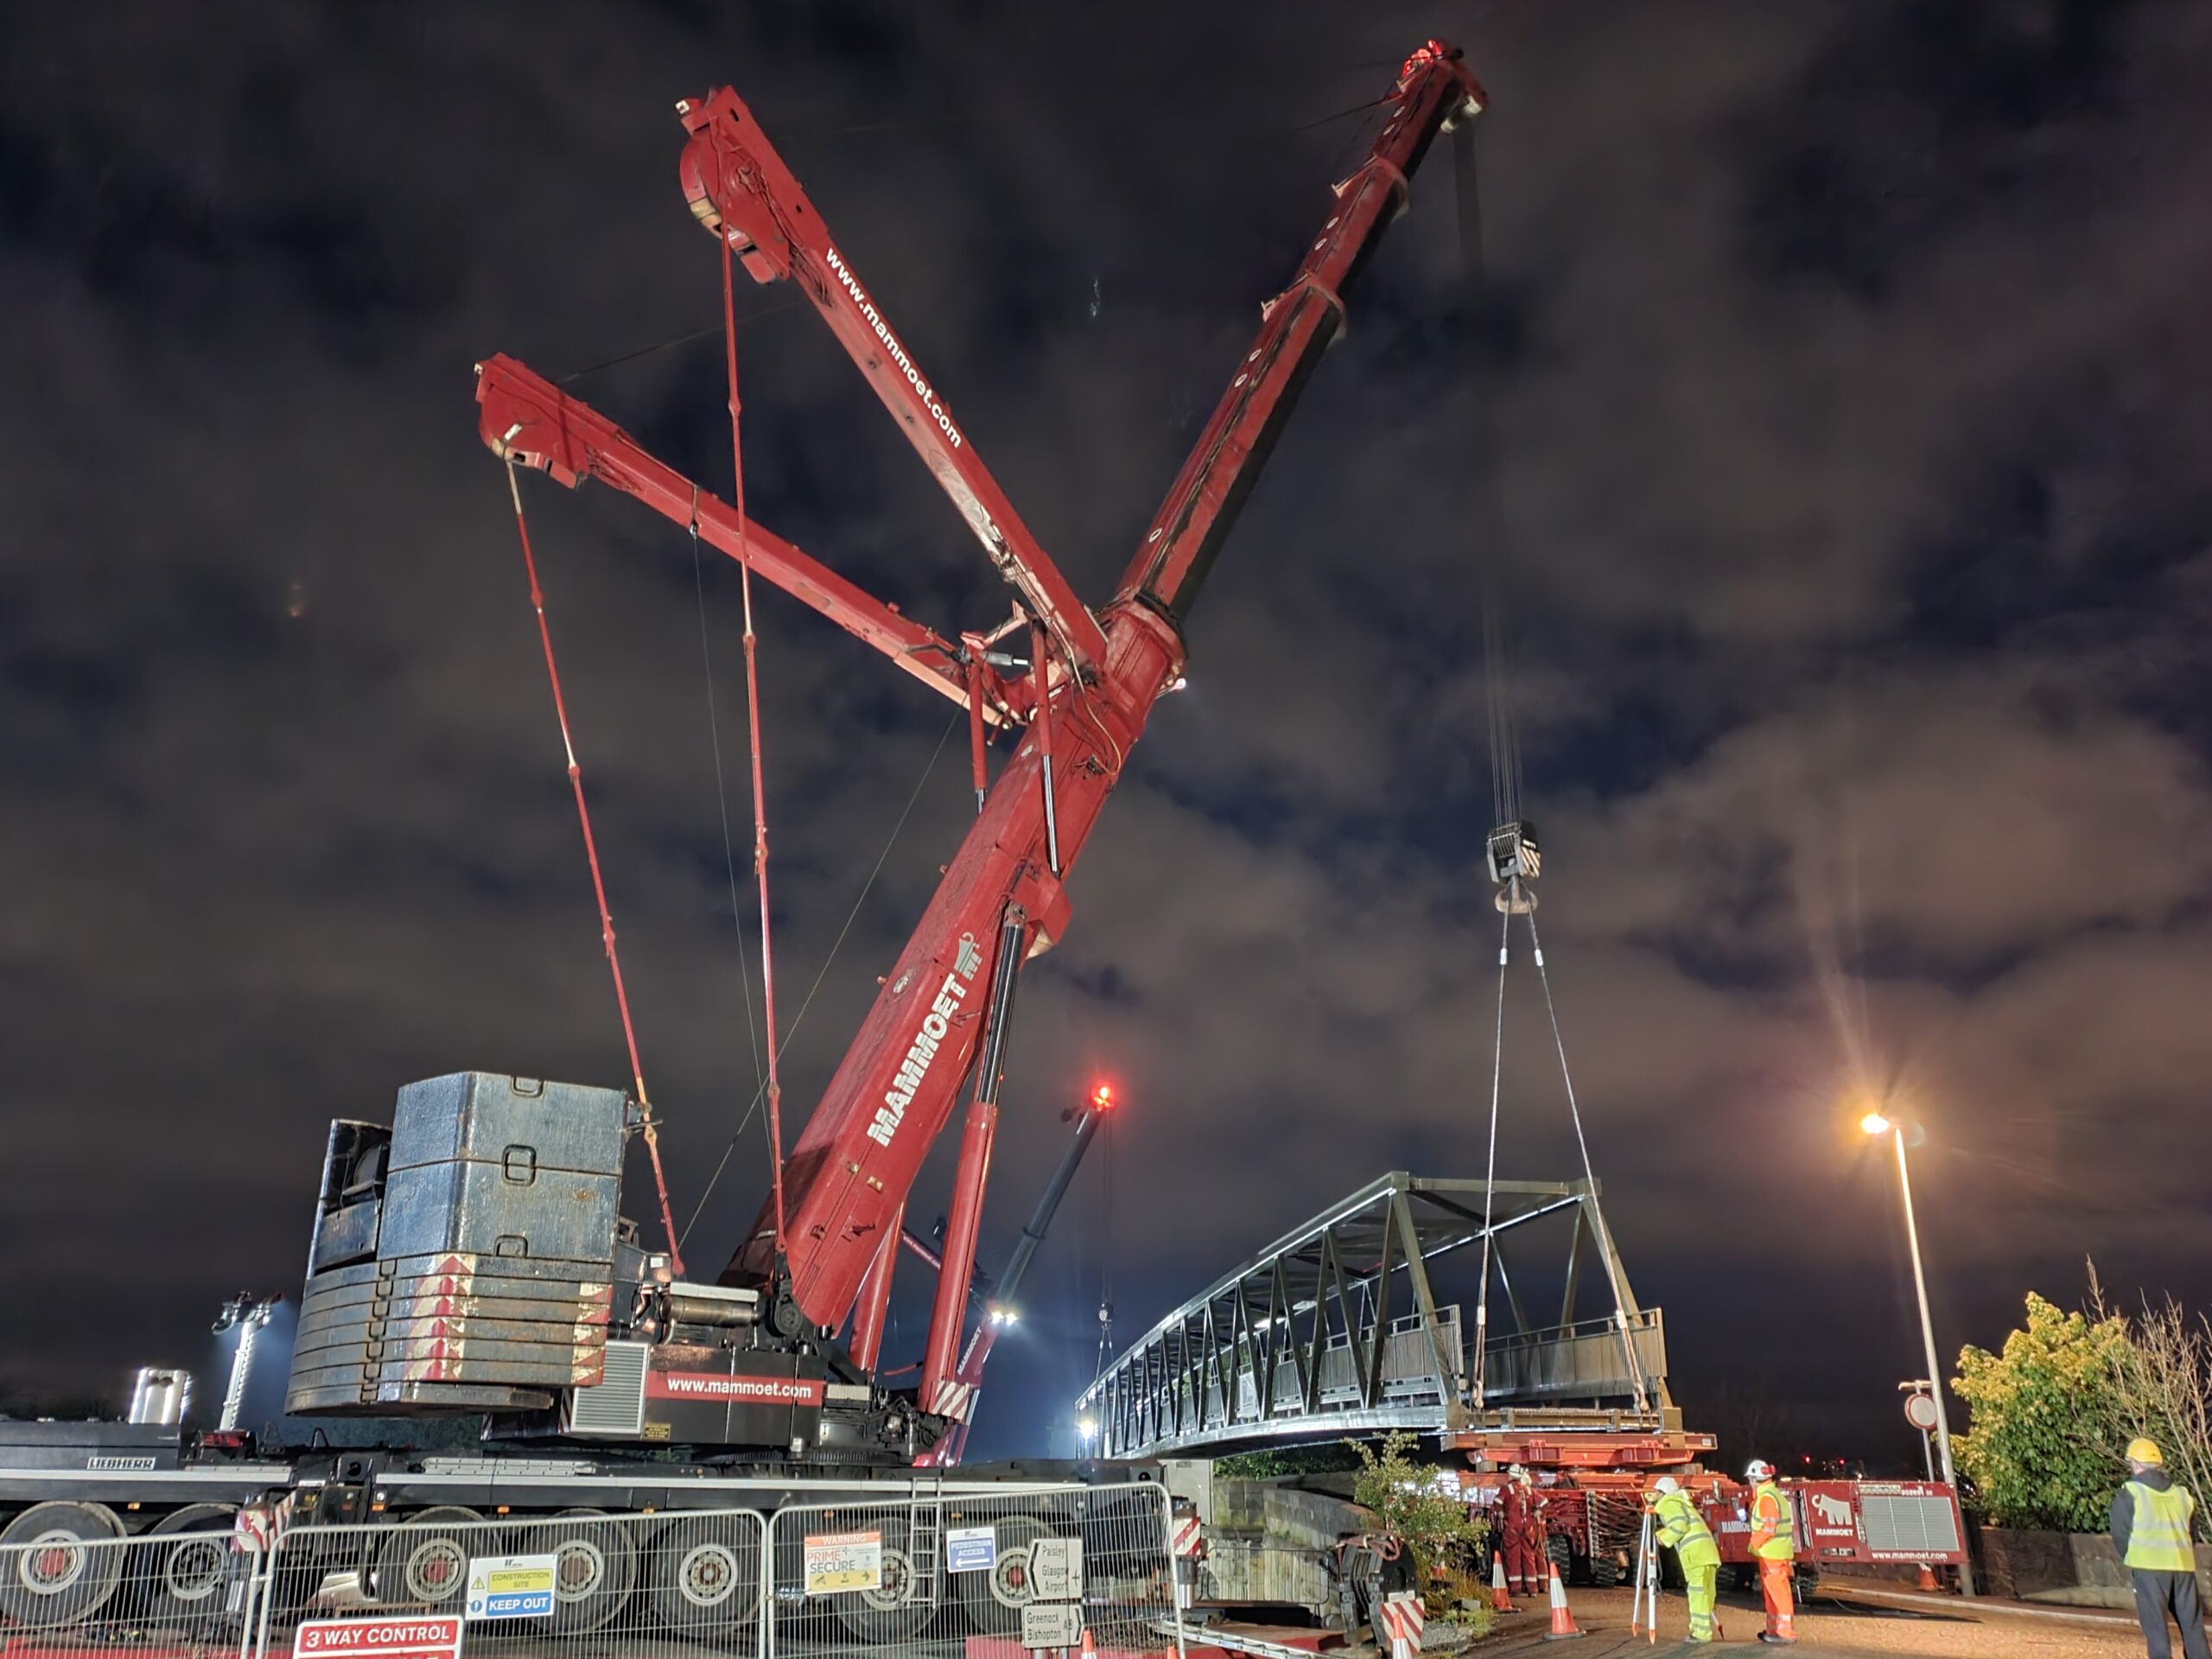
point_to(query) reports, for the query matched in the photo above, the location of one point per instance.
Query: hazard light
(1102, 1097)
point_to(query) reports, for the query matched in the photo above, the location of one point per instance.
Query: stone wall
(2072, 1568)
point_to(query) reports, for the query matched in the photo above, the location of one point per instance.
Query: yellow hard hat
(2141, 1451)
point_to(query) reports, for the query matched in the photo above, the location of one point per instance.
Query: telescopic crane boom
(1090, 686)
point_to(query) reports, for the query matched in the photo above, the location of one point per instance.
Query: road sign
(837, 1562)
(1920, 1411)
(1051, 1625)
(1056, 1569)
(428, 1636)
(511, 1586)
(971, 1549)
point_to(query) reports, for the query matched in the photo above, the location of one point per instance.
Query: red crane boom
(1090, 690)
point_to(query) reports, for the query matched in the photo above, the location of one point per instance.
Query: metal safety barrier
(177, 1586)
(941, 1570)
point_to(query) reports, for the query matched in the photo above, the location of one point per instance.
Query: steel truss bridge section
(1337, 1329)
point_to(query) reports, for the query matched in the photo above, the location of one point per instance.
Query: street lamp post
(1877, 1123)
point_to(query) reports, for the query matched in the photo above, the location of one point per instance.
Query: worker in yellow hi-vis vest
(1683, 1530)
(2153, 1527)
(1774, 1546)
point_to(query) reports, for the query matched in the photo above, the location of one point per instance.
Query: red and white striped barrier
(1403, 1618)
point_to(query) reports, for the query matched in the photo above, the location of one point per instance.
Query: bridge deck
(1337, 1328)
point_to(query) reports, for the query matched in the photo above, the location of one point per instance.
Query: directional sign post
(1050, 1626)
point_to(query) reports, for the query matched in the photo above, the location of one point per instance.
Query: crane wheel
(423, 1561)
(993, 1601)
(900, 1607)
(180, 1570)
(705, 1572)
(60, 1564)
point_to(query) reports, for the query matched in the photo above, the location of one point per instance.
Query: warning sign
(971, 1549)
(511, 1586)
(841, 1561)
(424, 1637)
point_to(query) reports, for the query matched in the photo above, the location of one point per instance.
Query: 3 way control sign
(511, 1586)
(417, 1636)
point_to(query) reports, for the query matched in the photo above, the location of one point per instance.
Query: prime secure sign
(511, 1586)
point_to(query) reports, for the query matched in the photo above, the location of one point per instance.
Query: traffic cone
(1090, 1649)
(1500, 1602)
(1928, 1578)
(1562, 1621)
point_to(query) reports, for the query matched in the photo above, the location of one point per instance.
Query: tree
(1430, 1521)
(2047, 1423)
(2163, 1380)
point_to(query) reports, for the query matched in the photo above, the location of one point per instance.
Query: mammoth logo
(1831, 1511)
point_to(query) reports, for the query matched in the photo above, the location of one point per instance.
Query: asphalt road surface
(1837, 1624)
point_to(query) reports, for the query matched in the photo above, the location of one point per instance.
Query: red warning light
(1102, 1097)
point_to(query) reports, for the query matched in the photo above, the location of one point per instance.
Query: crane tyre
(59, 1564)
(179, 1573)
(900, 1607)
(993, 1601)
(706, 1578)
(423, 1561)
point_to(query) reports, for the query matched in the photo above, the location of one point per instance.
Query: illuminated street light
(1878, 1122)
(1086, 1428)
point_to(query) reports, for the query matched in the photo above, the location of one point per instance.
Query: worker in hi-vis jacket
(1774, 1546)
(2153, 1527)
(1683, 1530)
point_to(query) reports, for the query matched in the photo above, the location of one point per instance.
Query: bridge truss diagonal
(1337, 1328)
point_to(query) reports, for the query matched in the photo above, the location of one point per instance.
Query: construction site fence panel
(941, 1574)
(177, 1588)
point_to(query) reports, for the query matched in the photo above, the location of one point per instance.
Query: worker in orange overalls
(1774, 1546)
(1521, 1512)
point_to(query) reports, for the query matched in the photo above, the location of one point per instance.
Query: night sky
(1848, 376)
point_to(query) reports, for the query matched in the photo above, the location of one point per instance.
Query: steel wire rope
(645, 1123)
(827, 962)
(721, 791)
(1490, 1170)
(1589, 1174)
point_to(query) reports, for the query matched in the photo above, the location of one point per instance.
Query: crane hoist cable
(721, 795)
(598, 884)
(753, 728)
(1505, 768)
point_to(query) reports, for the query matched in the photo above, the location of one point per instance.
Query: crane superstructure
(1076, 703)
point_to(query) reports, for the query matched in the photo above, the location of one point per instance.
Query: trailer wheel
(993, 1600)
(706, 1577)
(59, 1564)
(424, 1561)
(180, 1575)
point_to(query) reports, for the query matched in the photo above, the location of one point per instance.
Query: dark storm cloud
(1849, 383)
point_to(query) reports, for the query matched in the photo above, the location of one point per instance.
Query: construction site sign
(415, 1637)
(511, 1586)
(971, 1549)
(837, 1562)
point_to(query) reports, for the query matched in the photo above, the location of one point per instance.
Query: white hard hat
(1759, 1469)
(1666, 1484)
